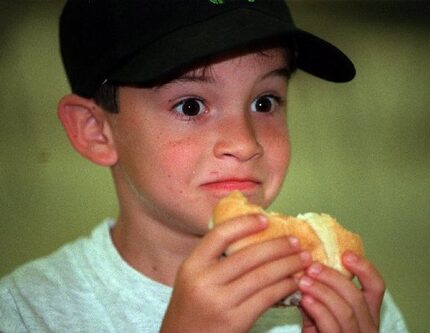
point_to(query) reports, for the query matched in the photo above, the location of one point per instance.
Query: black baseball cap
(143, 41)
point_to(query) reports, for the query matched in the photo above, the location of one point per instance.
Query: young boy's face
(185, 144)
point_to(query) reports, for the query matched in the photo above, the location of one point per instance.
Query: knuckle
(349, 315)
(219, 232)
(199, 294)
(186, 268)
(357, 298)
(377, 281)
(262, 277)
(379, 287)
(198, 288)
(210, 302)
(368, 266)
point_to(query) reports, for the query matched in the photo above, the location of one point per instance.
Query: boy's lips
(231, 184)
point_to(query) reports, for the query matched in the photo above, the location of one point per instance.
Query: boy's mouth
(246, 185)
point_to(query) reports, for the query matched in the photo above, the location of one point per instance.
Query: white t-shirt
(86, 286)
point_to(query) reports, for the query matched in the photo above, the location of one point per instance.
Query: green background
(361, 151)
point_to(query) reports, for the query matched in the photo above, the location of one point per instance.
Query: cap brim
(322, 59)
(229, 31)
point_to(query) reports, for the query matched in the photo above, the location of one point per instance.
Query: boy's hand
(332, 303)
(213, 293)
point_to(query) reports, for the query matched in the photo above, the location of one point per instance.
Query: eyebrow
(201, 76)
(205, 77)
(284, 72)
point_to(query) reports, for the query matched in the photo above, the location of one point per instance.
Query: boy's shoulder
(50, 269)
(85, 282)
(48, 290)
(62, 268)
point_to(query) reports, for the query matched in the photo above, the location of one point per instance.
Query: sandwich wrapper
(292, 300)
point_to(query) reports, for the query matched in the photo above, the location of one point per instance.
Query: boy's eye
(190, 107)
(264, 103)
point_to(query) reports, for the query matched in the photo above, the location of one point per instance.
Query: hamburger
(320, 234)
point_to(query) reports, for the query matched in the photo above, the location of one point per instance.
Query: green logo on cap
(220, 2)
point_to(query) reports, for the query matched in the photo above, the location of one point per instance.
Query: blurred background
(361, 151)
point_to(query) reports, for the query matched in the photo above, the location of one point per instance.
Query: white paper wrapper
(292, 300)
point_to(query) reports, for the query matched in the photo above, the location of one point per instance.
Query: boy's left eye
(190, 107)
(264, 103)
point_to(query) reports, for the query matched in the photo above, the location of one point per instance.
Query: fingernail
(263, 219)
(315, 269)
(306, 282)
(294, 242)
(351, 258)
(308, 299)
(305, 256)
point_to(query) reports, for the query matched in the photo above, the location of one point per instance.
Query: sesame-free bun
(320, 234)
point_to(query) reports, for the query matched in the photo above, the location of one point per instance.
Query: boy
(185, 101)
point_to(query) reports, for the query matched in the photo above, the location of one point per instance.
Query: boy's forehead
(276, 57)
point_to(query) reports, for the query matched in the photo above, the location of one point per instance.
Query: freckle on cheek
(175, 155)
(181, 142)
(178, 148)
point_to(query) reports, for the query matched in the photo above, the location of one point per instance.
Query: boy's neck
(155, 257)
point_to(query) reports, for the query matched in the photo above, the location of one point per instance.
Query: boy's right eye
(190, 107)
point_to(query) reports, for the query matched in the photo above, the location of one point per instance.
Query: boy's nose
(238, 140)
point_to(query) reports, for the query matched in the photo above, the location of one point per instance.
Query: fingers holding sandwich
(320, 234)
(371, 282)
(336, 304)
(265, 261)
(217, 290)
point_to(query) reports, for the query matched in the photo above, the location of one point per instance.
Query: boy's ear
(88, 129)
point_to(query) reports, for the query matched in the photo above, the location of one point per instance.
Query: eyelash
(278, 100)
(185, 117)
